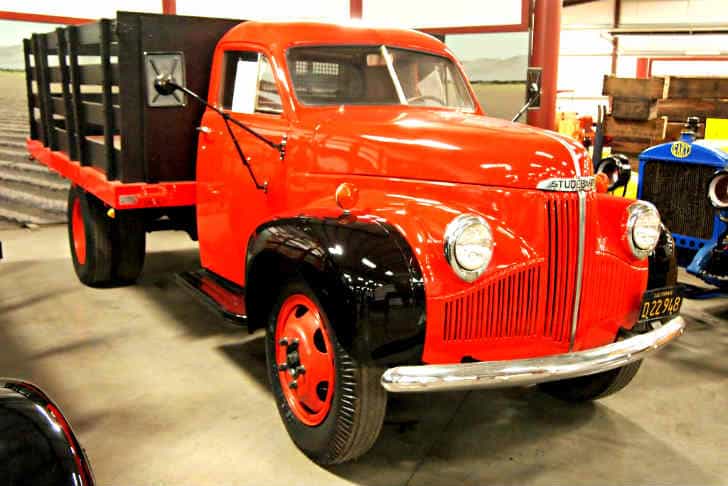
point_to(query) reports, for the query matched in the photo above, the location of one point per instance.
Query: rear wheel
(129, 241)
(332, 405)
(592, 387)
(104, 251)
(89, 237)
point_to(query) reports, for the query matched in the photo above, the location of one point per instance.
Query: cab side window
(248, 84)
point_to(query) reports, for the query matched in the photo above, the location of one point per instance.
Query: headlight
(643, 228)
(718, 190)
(468, 246)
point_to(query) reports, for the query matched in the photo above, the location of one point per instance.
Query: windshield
(376, 75)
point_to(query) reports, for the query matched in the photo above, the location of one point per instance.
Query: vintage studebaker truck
(350, 196)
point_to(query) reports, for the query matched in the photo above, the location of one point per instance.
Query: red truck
(350, 196)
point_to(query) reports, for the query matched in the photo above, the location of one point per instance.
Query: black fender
(364, 272)
(37, 445)
(662, 262)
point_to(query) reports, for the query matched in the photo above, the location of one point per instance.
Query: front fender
(662, 262)
(37, 445)
(363, 271)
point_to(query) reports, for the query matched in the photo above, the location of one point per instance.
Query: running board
(217, 293)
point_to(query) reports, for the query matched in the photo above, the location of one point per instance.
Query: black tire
(592, 387)
(94, 269)
(129, 241)
(355, 418)
(114, 248)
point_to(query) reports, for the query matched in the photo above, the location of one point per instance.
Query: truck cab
(351, 197)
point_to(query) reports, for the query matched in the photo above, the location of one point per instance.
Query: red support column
(643, 67)
(615, 38)
(355, 8)
(169, 7)
(545, 54)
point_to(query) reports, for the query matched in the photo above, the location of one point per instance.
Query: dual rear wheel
(105, 251)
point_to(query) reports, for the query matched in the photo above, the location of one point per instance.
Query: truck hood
(441, 145)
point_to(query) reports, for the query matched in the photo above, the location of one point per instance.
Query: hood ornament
(568, 184)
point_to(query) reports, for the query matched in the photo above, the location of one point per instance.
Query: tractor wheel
(332, 405)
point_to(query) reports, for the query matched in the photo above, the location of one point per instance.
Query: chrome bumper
(524, 372)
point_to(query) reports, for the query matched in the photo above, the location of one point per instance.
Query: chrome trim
(452, 233)
(393, 75)
(579, 268)
(568, 184)
(712, 195)
(635, 210)
(532, 371)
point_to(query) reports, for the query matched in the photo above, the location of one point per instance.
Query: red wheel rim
(79, 232)
(305, 359)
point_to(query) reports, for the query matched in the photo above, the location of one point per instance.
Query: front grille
(505, 307)
(563, 235)
(609, 289)
(679, 191)
(533, 300)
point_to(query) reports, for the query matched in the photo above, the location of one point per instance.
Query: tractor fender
(363, 271)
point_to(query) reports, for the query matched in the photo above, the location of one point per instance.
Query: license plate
(660, 303)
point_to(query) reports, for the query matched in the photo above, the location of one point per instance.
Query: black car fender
(37, 445)
(364, 272)
(662, 262)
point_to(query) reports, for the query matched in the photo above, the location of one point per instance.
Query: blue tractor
(687, 181)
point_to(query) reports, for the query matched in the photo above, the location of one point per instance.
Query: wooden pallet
(647, 112)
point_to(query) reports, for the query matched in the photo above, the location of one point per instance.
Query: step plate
(224, 297)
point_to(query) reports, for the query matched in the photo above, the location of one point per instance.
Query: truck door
(229, 206)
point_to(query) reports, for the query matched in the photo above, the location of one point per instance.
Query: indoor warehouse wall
(586, 44)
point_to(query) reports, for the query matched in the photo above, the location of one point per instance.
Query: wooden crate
(629, 148)
(634, 108)
(651, 131)
(651, 88)
(678, 110)
(696, 87)
(675, 128)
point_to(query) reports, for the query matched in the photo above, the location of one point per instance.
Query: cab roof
(286, 34)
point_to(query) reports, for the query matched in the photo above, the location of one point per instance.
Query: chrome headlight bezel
(719, 176)
(453, 232)
(636, 211)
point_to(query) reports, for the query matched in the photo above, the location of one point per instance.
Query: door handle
(204, 129)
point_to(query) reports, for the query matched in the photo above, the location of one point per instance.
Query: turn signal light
(347, 195)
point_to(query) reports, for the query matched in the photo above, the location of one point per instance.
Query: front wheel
(592, 387)
(332, 405)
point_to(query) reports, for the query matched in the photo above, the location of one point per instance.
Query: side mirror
(533, 86)
(164, 72)
(617, 169)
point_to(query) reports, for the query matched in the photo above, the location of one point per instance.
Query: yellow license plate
(660, 303)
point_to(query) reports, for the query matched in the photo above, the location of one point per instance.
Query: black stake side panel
(84, 115)
(66, 93)
(160, 144)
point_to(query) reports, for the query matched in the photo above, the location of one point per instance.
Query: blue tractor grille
(680, 193)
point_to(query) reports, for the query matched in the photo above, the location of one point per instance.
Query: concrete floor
(163, 392)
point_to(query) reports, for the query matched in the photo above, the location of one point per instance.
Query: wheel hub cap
(305, 360)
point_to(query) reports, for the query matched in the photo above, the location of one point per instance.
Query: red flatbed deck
(119, 195)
